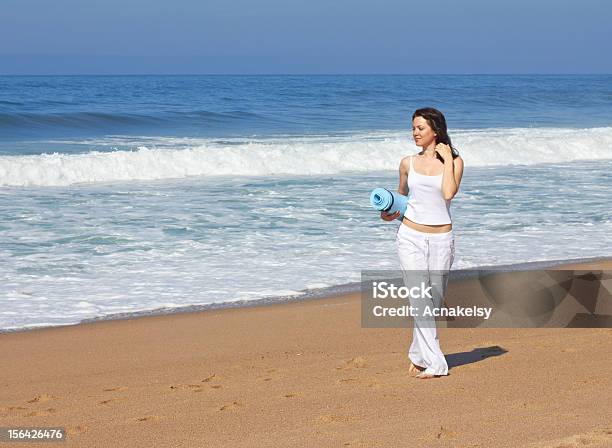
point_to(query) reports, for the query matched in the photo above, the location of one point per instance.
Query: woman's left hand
(445, 151)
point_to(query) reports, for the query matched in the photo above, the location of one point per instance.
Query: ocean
(124, 195)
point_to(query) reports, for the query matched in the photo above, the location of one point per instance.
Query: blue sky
(309, 36)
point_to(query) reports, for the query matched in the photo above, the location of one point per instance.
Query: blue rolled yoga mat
(389, 201)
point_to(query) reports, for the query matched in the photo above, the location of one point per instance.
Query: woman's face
(422, 133)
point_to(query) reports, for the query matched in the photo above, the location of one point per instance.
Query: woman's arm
(453, 172)
(403, 176)
(402, 189)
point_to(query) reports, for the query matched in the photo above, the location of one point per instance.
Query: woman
(425, 239)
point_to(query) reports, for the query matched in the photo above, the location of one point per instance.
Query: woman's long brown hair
(437, 122)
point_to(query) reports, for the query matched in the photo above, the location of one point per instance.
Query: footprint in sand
(191, 387)
(210, 381)
(332, 418)
(213, 381)
(230, 406)
(115, 389)
(374, 384)
(149, 418)
(369, 382)
(591, 380)
(393, 397)
(292, 395)
(11, 410)
(267, 377)
(360, 444)
(76, 429)
(212, 378)
(42, 413)
(445, 433)
(355, 363)
(42, 398)
(110, 400)
(568, 350)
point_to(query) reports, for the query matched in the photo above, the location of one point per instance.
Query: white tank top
(426, 204)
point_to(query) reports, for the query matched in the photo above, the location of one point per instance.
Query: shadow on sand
(478, 354)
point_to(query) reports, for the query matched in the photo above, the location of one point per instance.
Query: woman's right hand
(389, 216)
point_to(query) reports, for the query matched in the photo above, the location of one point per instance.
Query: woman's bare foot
(424, 376)
(415, 369)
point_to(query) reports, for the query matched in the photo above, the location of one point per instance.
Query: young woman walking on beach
(425, 239)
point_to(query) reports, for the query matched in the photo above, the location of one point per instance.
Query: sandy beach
(305, 374)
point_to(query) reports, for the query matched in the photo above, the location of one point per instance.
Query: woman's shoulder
(410, 156)
(405, 162)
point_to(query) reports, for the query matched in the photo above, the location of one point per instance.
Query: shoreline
(325, 293)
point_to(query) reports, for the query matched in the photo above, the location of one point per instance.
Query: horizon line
(305, 74)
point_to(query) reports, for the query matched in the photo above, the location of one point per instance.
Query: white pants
(426, 257)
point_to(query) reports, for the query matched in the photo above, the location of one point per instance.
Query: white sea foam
(68, 254)
(168, 158)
